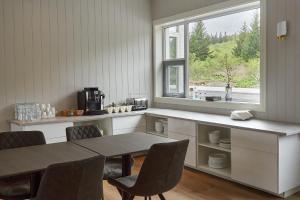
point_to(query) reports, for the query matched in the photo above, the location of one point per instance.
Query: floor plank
(200, 186)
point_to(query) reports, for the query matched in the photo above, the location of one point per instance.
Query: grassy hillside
(211, 72)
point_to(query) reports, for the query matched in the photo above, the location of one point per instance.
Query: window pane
(174, 78)
(174, 42)
(226, 50)
(176, 81)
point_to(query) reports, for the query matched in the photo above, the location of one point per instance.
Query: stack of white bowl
(218, 161)
(225, 143)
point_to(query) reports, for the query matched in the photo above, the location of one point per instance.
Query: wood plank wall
(50, 49)
(283, 57)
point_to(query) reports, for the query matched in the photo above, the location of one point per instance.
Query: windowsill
(228, 105)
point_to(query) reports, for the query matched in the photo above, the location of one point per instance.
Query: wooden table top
(118, 145)
(36, 158)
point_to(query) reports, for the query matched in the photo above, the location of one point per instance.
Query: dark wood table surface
(37, 158)
(119, 145)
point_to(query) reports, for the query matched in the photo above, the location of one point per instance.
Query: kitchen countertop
(75, 118)
(279, 128)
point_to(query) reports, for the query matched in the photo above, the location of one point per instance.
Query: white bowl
(129, 108)
(225, 146)
(117, 109)
(110, 110)
(214, 137)
(217, 161)
(123, 109)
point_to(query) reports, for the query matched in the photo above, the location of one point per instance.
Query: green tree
(237, 51)
(252, 43)
(199, 42)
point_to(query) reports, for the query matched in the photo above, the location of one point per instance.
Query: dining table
(35, 159)
(124, 145)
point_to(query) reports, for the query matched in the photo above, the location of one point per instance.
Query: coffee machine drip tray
(96, 112)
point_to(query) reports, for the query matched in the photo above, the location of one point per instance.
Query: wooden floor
(200, 186)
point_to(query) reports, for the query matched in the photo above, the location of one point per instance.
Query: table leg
(126, 171)
(35, 180)
(126, 165)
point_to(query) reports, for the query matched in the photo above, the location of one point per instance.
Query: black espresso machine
(91, 100)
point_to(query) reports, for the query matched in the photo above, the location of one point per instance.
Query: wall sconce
(282, 30)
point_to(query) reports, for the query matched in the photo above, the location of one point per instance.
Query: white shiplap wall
(283, 57)
(50, 49)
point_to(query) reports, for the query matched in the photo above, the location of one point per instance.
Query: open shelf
(214, 146)
(226, 172)
(206, 149)
(150, 125)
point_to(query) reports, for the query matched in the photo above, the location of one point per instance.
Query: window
(204, 56)
(225, 51)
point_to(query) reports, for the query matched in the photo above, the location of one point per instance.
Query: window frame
(216, 10)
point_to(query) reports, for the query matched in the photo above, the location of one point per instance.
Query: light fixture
(282, 30)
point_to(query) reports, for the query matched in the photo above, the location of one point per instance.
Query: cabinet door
(254, 158)
(190, 159)
(129, 124)
(182, 126)
(255, 168)
(53, 133)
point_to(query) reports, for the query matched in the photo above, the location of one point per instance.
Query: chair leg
(161, 196)
(131, 197)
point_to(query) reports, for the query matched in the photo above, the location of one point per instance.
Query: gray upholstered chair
(156, 178)
(113, 166)
(18, 187)
(79, 180)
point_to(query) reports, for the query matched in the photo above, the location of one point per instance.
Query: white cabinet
(181, 130)
(190, 159)
(128, 124)
(254, 158)
(182, 126)
(53, 132)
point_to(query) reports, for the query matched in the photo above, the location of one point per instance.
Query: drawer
(190, 159)
(128, 122)
(255, 168)
(182, 126)
(265, 142)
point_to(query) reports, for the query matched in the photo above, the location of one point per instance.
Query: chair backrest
(79, 180)
(82, 132)
(9, 140)
(162, 168)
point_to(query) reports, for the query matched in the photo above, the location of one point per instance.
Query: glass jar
(228, 92)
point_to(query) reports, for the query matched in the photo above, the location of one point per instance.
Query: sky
(230, 24)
